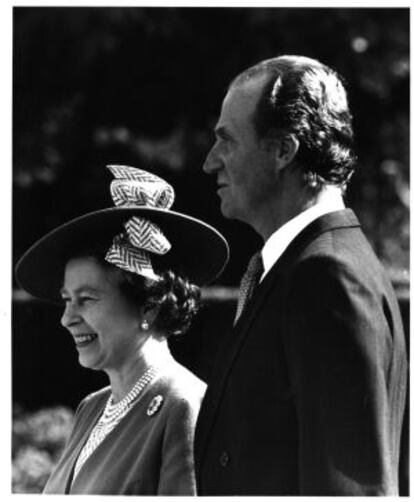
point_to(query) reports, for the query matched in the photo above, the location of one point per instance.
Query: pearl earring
(311, 179)
(144, 325)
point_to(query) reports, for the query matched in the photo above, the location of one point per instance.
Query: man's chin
(229, 212)
(226, 210)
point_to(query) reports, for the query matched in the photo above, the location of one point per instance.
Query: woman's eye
(80, 301)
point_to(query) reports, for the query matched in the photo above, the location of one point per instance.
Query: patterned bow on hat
(130, 249)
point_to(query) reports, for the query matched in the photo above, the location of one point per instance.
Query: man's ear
(287, 147)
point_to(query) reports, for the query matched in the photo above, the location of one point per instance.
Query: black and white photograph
(210, 225)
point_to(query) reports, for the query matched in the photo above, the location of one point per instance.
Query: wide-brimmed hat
(139, 231)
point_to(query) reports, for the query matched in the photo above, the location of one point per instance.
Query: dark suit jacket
(309, 392)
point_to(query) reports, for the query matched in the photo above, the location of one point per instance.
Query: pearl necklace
(113, 411)
(111, 416)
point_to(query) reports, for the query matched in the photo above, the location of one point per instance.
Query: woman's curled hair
(177, 298)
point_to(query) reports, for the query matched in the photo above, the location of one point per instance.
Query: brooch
(155, 405)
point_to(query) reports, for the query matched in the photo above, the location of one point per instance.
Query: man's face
(241, 163)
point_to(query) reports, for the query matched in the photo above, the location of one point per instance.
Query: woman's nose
(70, 315)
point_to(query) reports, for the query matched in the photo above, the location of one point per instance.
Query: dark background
(143, 87)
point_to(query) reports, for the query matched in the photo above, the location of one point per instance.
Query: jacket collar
(344, 218)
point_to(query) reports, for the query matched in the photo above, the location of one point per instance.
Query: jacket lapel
(235, 339)
(92, 419)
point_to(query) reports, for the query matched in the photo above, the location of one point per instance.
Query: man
(307, 396)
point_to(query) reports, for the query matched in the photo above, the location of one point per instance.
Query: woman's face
(104, 325)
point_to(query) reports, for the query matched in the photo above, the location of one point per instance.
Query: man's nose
(70, 315)
(212, 162)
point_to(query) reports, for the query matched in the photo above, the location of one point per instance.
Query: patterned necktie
(249, 281)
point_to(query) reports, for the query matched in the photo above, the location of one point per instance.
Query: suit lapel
(235, 339)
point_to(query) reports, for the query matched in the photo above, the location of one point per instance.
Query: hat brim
(198, 251)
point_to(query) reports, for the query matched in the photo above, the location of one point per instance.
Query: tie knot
(249, 282)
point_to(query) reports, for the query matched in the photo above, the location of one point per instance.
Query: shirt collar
(277, 243)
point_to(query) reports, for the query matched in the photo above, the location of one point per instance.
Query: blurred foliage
(37, 441)
(143, 86)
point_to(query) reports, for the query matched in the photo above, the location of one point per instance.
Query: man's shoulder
(336, 237)
(340, 257)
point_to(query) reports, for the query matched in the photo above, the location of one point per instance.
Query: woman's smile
(85, 339)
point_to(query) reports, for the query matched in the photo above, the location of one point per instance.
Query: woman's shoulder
(181, 383)
(98, 394)
(96, 398)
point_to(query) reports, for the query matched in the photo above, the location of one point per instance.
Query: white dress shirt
(277, 243)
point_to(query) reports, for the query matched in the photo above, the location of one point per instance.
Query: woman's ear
(149, 316)
(287, 147)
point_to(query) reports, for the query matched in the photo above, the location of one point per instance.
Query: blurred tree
(37, 441)
(144, 86)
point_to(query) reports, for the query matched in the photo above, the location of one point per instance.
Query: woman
(122, 275)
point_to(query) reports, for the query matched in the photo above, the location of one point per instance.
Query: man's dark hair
(308, 99)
